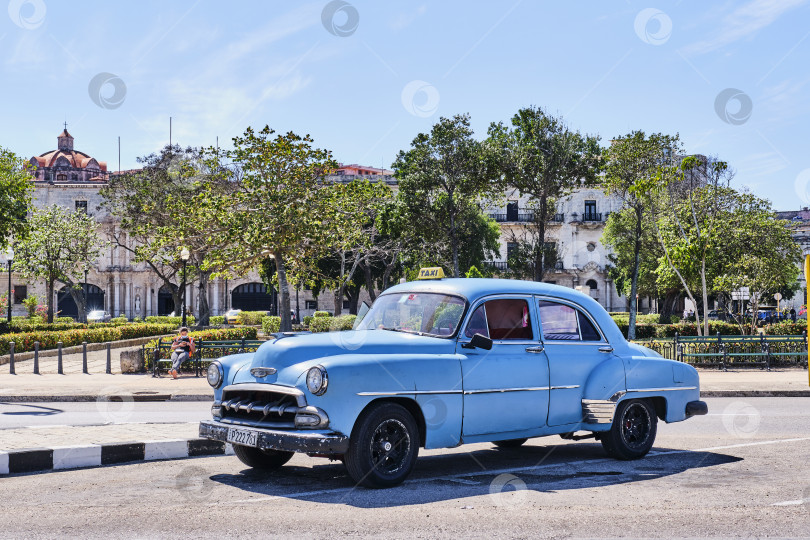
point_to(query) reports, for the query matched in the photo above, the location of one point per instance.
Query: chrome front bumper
(306, 441)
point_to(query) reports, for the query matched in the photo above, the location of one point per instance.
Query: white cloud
(743, 22)
(760, 164)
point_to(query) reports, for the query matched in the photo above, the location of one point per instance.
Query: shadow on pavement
(32, 410)
(457, 475)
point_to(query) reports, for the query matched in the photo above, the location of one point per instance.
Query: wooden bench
(162, 351)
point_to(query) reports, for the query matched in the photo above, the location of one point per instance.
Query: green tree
(443, 178)
(542, 157)
(277, 209)
(635, 169)
(15, 195)
(59, 247)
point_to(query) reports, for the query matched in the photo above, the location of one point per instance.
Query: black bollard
(109, 358)
(36, 358)
(84, 357)
(59, 369)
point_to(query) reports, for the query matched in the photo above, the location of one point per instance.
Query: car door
(505, 388)
(575, 346)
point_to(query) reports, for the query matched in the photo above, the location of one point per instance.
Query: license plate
(242, 436)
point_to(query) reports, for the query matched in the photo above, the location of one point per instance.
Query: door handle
(606, 349)
(536, 350)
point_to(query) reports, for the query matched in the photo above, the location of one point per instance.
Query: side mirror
(479, 341)
(361, 312)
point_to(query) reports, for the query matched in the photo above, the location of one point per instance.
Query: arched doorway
(165, 301)
(253, 297)
(67, 307)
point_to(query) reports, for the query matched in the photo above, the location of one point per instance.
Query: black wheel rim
(636, 426)
(390, 446)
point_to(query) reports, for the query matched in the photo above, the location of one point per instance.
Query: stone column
(147, 299)
(128, 299)
(214, 297)
(116, 297)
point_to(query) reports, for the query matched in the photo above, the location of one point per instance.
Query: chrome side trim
(670, 389)
(564, 387)
(598, 411)
(410, 392)
(504, 390)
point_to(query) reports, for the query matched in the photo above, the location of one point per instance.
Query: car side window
(502, 319)
(563, 322)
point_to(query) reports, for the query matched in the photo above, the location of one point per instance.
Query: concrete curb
(755, 393)
(95, 455)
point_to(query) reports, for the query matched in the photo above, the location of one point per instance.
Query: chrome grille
(254, 406)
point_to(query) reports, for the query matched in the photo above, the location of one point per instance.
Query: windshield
(432, 314)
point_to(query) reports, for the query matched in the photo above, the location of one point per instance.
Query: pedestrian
(182, 347)
(793, 314)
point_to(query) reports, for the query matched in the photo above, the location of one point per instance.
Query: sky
(364, 77)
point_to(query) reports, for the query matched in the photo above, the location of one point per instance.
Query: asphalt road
(15, 415)
(743, 471)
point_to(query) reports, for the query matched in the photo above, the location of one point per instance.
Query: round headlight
(317, 380)
(215, 374)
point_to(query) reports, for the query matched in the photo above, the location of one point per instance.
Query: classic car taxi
(442, 362)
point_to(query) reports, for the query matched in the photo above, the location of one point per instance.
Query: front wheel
(383, 446)
(261, 459)
(633, 431)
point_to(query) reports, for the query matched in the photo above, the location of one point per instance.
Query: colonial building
(576, 232)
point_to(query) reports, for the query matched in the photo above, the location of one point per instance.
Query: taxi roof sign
(431, 273)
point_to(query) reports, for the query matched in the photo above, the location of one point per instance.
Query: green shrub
(252, 318)
(121, 319)
(165, 319)
(786, 328)
(63, 320)
(271, 324)
(33, 325)
(321, 314)
(320, 324)
(24, 341)
(343, 322)
(217, 320)
(308, 320)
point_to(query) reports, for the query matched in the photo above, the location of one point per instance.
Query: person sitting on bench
(182, 348)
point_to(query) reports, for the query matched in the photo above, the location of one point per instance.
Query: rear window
(502, 319)
(563, 322)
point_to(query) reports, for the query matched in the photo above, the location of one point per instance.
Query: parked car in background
(442, 362)
(233, 316)
(713, 315)
(98, 315)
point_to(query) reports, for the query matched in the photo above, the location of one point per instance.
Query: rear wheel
(510, 443)
(633, 431)
(261, 459)
(383, 446)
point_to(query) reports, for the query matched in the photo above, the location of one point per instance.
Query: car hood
(291, 355)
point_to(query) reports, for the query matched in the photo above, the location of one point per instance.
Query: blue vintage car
(443, 362)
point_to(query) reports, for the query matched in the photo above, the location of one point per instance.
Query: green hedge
(271, 324)
(252, 318)
(321, 314)
(332, 324)
(786, 328)
(308, 320)
(216, 320)
(649, 318)
(177, 321)
(24, 341)
(649, 331)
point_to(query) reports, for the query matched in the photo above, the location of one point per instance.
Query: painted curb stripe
(205, 447)
(35, 459)
(73, 457)
(3, 462)
(155, 450)
(121, 452)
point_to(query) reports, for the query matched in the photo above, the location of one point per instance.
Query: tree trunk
(540, 263)
(81, 301)
(204, 315)
(667, 307)
(283, 293)
(369, 281)
(454, 245)
(705, 298)
(631, 328)
(50, 299)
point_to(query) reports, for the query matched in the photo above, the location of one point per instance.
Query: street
(93, 413)
(742, 468)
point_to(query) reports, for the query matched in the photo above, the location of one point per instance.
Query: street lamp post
(9, 259)
(184, 256)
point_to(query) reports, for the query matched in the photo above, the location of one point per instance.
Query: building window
(61, 178)
(590, 207)
(512, 211)
(81, 206)
(346, 304)
(511, 249)
(20, 293)
(311, 304)
(592, 284)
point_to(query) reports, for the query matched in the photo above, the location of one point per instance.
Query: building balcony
(592, 217)
(497, 265)
(525, 217)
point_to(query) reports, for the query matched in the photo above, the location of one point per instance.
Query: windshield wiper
(400, 330)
